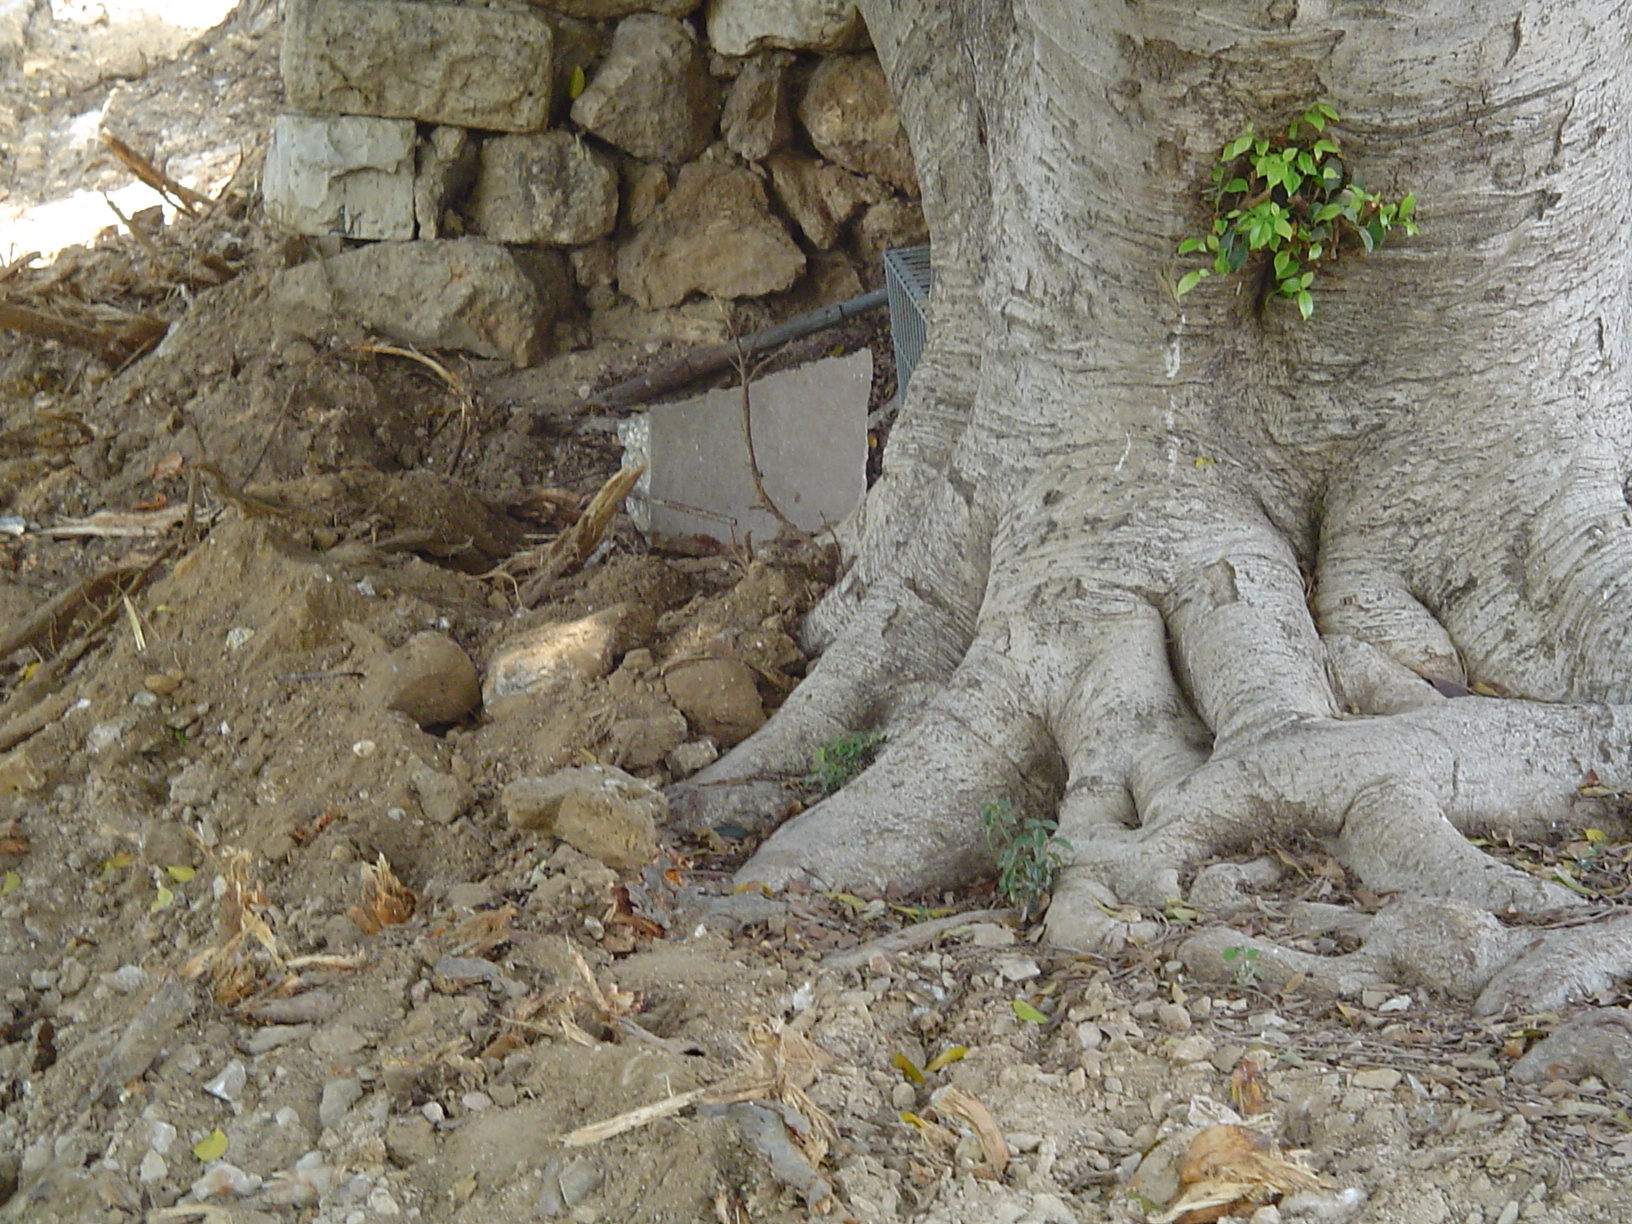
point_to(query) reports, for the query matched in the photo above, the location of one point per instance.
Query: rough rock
(851, 118)
(549, 188)
(599, 811)
(341, 174)
(820, 197)
(611, 10)
(887, 225)
(448, 158)
(530, 661)
(652, 96)
(718, 697)
(758, 115)
(645, 187)
(451, 293)
(430, 679)
(440, 63)
(646, 740)
(740, 27)
(715, 234)
(443, 798)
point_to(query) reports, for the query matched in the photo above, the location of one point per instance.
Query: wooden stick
(711, 360)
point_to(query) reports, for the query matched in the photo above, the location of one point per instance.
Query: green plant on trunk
(1245, 962)
(1029, 856)
(842, 758)
(1289, 209)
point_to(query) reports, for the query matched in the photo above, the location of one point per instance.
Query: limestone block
(740, 27)
(341, 174)
(852, 120)
(819, 196)
(549, 188)
(459, 64)
(463, 293)
(652, 96)
(757, 119)
(447, 167)
(714, 234)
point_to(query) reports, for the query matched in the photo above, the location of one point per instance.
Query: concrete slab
(810, 437)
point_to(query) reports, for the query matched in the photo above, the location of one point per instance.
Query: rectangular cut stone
(341, 174)
(810, 438)
(440, 63)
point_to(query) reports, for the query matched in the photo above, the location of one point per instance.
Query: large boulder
(475, 67)
(653, 96)
(549, 188)
(852, 120)
(740, 27)
(461, 293)
(716, 235)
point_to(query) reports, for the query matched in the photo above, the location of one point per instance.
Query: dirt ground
(271, 950)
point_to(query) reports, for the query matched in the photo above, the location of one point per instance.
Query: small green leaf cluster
(1245, 960)
(842, 758)
(1295, 206)
(1029, 856)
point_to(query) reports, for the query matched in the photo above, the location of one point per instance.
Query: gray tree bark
(1181, 573)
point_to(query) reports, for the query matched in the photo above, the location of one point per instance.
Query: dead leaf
(389, 902)
(966, 1106)
(1233, 1170)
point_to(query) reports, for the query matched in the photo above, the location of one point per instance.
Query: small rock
(443, 798)
(640, 743)
(688, 758)
(1173, 1017)
(719, 698)
(230, 1083)
(991, 935)
(599, 811)
(153, 1169)
(532, 661)
(1192, 1049)
(1382, 1079)
(339, 1095)
(223, 1180)
(429, 679)
(476, 1101)
(1090, 1035)
(410, 1140)
(652, 96)
(1018, 968)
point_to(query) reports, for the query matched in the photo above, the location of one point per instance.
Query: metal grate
(907, 282)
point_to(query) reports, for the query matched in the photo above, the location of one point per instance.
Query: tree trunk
(1181, 570)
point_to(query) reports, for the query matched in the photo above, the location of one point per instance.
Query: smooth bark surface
(1181, 572)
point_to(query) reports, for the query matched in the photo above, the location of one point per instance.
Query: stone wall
(624, 154)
